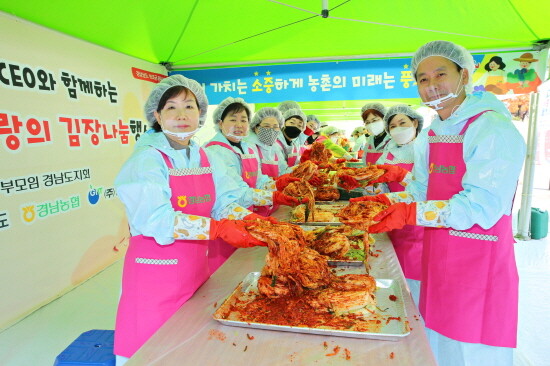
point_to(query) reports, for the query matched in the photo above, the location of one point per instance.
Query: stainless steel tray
(392, 331)
(337, 262)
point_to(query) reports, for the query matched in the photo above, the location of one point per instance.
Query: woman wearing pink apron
(231, 119)
(170, 189)
(373, 118)
(403, 125)
(265, 127)
(292, 138)
(462, 190)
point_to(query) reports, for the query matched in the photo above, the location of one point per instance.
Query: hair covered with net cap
(294, 112)
(329, 130)
(264, 113)
(376, 106)
(451, 51)
(151, 105)
(217, 115)
(407, 111)
(288, 104)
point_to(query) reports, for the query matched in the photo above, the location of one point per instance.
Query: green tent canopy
(193, 33)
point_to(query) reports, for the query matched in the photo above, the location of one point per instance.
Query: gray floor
(40, 337)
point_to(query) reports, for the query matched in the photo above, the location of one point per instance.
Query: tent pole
(524, 217)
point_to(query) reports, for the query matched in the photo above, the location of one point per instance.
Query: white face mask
(436, 104)
(231, 134)
(403, 135)
(180, 135)
(375, 128)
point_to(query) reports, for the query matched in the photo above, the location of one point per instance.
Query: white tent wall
(60, 219)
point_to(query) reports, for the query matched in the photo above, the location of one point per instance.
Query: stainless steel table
(192, 337)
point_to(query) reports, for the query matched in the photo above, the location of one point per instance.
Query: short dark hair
(235, 108)
(170, 93)
(366, 113)
(497, 60)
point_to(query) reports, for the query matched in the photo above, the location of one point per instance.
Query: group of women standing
(449, 189)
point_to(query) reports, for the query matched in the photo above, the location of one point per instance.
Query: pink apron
(407, 241)
(219, 250)
(469, 278)
(249, 163)
(293, 156)
(371, 155)
(271, 169)
(158, 279)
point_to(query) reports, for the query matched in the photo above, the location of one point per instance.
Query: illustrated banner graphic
(323, 81)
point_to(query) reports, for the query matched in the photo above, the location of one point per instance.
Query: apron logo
(442, 169)
(182, 201)
(193, 200)
(248, 175)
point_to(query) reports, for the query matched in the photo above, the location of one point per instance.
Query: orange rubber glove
(284, 180)
(348, 182)
(382, 198)
(395, 217)
(255, 216)
(393, 173)
(234, 233)
(280, 198)
(316, 181)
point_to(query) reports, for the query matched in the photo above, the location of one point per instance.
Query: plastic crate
(91, 348)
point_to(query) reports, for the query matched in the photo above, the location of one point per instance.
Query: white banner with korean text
(70, 113)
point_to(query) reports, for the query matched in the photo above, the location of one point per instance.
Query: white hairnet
(288, 104)
(376, 106)
(152, 103)
(264, 113)
(329, 130)
(288, 114)
(450, 51)
(217, 115)
(407, 111)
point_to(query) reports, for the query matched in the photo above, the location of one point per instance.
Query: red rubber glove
(393, 173)
(348, 182)
(255, 216)
(284, 180)
(341, 160)
(234, 233)
(354, 160)
(395, 217)
(286, 200)
(316, 181)
(382, 198)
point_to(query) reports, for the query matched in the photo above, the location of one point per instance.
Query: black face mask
(292, 132)
(311, 139)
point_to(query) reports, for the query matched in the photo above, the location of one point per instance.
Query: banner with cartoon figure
(510, 73)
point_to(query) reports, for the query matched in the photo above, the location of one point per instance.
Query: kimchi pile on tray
(341, 242)
(297, 288)
(360, 214)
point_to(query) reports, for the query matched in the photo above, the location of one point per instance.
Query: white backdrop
(69, 115)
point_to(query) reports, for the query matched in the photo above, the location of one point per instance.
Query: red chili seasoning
(392, 356)
(216, 304)
(249, 336)
(325, 344)
(335, 351)
(393, 297)
(393, 318)
(348, 354)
